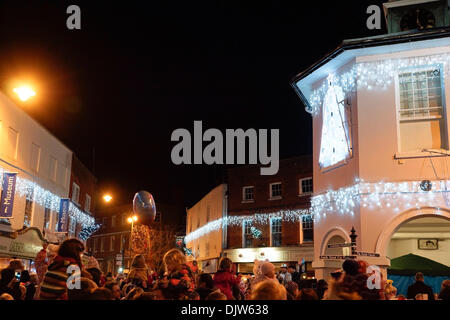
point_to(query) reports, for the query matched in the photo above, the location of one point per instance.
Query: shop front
(23, 244)
(300, 257)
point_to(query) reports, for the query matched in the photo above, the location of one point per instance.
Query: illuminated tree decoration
(256, 233)
(334, 145)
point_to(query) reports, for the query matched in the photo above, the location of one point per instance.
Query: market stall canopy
(410, 264)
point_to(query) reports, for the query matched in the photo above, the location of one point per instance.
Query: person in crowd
(87, 286)
(96, 275)
(295, 275)
(54, 285)
(205, 285)
(266, 272)
(420, 287)
(337, 291)
(322, 287)
(225, 280)
(10, 285)
(114, 288)
(269, 290)
(180, 279)
(109, 277)
(16, 265)
(101, 294)
(284, 276)
(445, 291)
(216, 295)
(146, 296)
(140, 274)
(25, 280)
(292, 290)
(307, 294)
(6, 296)
(41, 262)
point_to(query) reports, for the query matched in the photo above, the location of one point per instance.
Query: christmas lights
(47, 199)
(399, 196)
(334, 144)
(375, 75)
(257, 218)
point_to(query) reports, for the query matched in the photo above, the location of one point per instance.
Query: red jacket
(225, 281)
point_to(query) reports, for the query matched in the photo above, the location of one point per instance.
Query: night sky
(134, 73)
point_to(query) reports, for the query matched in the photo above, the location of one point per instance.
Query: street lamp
(107, 198)
(24, 92)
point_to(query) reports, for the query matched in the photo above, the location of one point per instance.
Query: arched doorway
(335, 236)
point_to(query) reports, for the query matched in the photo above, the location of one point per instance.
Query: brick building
(274, 229)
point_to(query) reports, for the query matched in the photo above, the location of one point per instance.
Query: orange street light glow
(24, 92)
(130, 220)
(107, 198)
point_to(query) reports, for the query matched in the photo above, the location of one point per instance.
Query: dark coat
(419, 287)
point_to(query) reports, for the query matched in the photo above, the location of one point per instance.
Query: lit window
(28, 207)
(275, 225)
(113, 221)
(35, 157)
(111, 243)
(248, 236)
(248, 193)
(275, 190)
(307, 227)
(306, 186)
(421, 114)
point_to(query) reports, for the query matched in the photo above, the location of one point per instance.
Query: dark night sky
(134, 73)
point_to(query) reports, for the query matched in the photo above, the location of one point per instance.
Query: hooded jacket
(225, 281)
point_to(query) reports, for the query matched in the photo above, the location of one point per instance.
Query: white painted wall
(31, 132)
(375, 146)
(215, 200)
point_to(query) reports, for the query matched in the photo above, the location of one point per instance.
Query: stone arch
(336, 231)
(395, 223)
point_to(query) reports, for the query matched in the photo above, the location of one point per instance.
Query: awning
(410, 264)
(24, 244)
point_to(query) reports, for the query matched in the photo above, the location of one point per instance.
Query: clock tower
(407, 15)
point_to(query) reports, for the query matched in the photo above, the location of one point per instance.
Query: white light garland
(47, 199)
(375, 75)
(399, 196)
(257, 218)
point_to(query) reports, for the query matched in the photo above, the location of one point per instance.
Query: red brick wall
(290, 172)
(85, 180)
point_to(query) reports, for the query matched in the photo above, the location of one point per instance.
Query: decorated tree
(162, 239)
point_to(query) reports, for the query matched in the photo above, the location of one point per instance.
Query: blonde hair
(173, 259)
(269, 290)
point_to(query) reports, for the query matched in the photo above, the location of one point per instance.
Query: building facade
(381, 142)
(206, 249)
(268, 216)
(35, 173)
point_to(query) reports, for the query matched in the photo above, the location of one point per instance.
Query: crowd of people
(61, 275)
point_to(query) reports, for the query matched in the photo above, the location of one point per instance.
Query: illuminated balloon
(144, 207)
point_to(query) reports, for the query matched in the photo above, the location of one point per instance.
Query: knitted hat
(93, 263)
